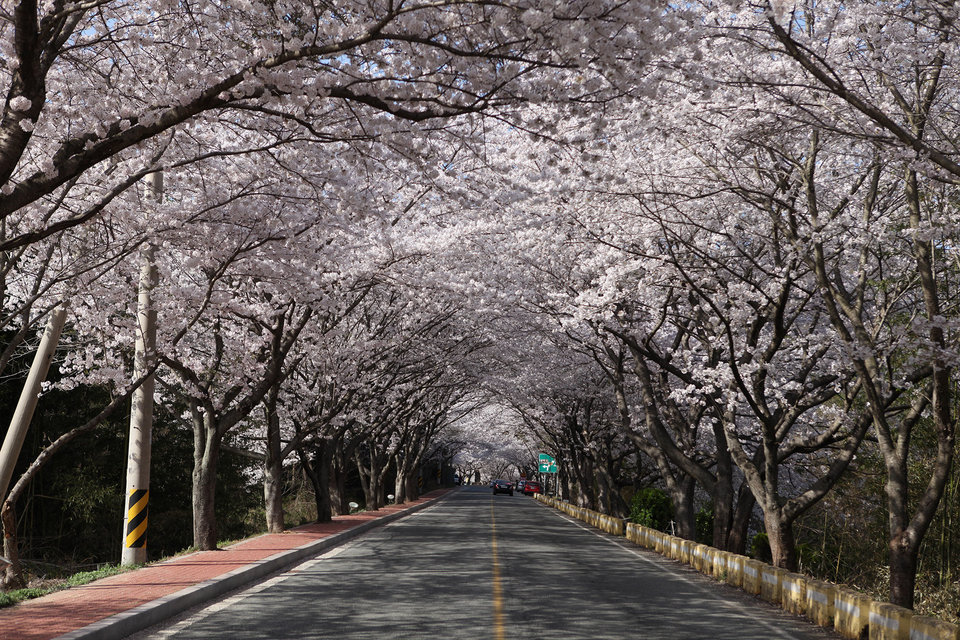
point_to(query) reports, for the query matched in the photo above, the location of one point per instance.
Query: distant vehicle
(519, 486)
(502, 486)
(531, 487)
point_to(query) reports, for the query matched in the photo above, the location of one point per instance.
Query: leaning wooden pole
(141, 410)
(17, 432)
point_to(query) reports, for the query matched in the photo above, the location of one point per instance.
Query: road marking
(710, 593)
(203, 611)
(498, 633)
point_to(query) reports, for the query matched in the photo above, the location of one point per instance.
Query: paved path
(483, 567)
(145, 596)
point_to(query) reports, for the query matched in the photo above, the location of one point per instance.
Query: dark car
(502, 486)
(531, 487)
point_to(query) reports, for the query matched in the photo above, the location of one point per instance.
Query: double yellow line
(498, 633)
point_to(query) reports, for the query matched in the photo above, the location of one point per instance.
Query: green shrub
(705, 524)
(652, 508)
(643, 517)
(760, 548)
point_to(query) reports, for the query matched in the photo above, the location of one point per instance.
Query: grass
(10, 598)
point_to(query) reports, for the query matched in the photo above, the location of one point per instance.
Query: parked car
(531, 487)
(502, 486)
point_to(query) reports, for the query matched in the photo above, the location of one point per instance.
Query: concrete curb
(121, 625)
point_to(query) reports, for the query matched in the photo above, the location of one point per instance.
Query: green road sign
(548, 463)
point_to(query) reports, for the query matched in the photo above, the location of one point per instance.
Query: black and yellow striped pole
(141, 427)
(141, 410)
(136, 528)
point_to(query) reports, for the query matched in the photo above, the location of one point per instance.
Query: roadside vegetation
(51, 585)
(352, 252)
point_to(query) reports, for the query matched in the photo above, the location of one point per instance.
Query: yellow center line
(498, 633)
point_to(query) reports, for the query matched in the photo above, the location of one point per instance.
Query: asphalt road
(478, 567)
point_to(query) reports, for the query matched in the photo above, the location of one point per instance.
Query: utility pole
(13, 441)
(141, 410)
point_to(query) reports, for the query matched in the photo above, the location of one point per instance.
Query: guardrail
(851, 614)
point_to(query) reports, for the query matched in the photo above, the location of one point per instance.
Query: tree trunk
(903, 570)
(783, 548)
(13, 572)
(338, 485)
(408, 473)
(310, 470)
(364, 481)
(374, 489)
(273, 468)
(603, 489)
(400, 485)
(722, 494)
(584, 481)
(371, 479)
(564, 487)
(323, 464)
(740, 527)
(413, 486)
(273, 496)
(685, 515)
(206, 457)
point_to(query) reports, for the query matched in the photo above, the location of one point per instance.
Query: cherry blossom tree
(862, 202)
(92, 90)
(488, 444)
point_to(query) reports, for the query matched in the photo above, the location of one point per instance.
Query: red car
(530, 487)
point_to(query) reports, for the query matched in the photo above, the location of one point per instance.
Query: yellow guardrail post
(820, 602)
(673, 551)
(720, 564)
(851, 613)
(700, 557)
(924, 628)
(709, 561)
(751, 576)
(771, 582)
(793, 593)
(734, 575)
(889, 622)
(696, 551)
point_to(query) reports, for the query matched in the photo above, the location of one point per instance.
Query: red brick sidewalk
(75, 608)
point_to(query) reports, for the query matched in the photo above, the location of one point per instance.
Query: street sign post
(548, 464)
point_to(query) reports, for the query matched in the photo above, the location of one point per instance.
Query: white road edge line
(215, 607)
(739, 608)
